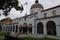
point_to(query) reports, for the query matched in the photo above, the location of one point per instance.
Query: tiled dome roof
(37, 5)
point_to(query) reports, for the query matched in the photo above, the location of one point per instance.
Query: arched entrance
(51, 28)
(39, 28)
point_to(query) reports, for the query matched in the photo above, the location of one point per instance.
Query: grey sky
(15, 14)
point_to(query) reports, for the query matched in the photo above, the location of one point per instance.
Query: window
(53, 12)
(45, 15)
(31, 11)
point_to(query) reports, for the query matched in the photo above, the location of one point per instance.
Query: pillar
(27, 30)
(12, 28)
(32, 29)
(18, 27)
(5, 28)
(15, 28)
(58, 30)
(45, 29)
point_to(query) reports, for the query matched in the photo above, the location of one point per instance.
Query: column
(5, 28)
(12, 28)
(35, 29)
(45, 30)
(2, 28)
(58, 30)
(21, 30)
(17, 28)
(8, 28)
(27, 30)
(32, 29)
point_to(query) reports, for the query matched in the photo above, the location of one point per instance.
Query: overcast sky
(15, 14)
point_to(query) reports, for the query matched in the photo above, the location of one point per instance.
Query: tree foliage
(7, 5)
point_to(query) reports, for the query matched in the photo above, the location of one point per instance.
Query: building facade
(39, 21)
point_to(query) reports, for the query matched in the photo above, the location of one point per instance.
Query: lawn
(31, 38)
(24, 38)
(4, 33)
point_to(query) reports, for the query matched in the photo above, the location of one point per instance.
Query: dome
(37, 5)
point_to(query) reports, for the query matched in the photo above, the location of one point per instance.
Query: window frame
(45, 15)
(53, 12)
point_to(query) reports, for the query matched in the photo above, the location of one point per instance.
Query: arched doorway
(51, 28)
(39, 28)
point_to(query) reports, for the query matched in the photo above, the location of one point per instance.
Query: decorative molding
(48, 17)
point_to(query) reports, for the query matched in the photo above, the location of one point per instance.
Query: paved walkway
(2, 37)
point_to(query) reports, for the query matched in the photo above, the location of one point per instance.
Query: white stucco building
(40, 21)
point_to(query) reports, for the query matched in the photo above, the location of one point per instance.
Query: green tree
(7, 5)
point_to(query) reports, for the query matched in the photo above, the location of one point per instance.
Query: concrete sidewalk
(2, 37)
